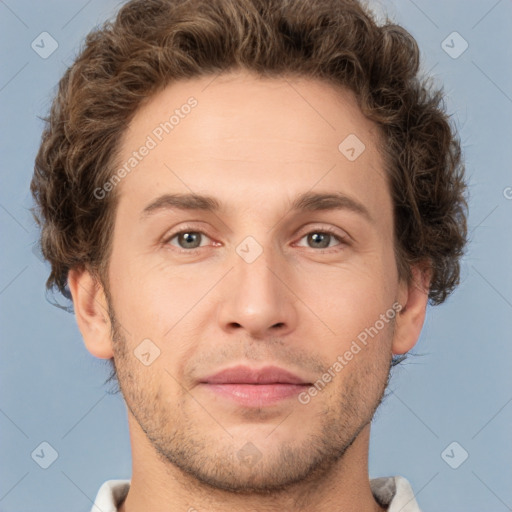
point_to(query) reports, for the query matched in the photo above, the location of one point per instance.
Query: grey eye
(319, 240)
(188, 239)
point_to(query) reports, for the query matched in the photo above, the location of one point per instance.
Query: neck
(158, 485)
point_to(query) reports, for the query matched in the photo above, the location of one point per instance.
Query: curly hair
(152, 43)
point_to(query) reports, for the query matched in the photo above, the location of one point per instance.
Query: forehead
(243, 105)
(241, 136)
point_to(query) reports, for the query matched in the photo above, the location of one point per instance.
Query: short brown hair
(152, 43)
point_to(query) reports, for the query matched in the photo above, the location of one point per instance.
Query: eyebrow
(308, 201)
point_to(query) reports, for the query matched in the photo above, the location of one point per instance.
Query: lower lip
(257, 395)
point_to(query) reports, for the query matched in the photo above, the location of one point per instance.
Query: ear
(91, 311)
(413, 297)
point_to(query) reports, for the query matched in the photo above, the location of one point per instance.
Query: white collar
(393, 492)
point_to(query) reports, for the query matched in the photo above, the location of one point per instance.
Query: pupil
(190, 239)
(320, 239)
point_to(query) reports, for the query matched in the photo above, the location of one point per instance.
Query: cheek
(350, 298)
(150, 300)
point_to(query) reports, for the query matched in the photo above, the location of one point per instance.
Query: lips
(248, 375)
(254, 387)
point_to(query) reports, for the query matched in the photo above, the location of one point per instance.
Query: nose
(257, 297)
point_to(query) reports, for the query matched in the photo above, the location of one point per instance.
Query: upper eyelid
(168, 238)
(308, 229)
(342, 239)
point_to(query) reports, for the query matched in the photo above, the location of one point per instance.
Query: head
(250, 182)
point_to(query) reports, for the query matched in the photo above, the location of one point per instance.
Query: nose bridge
(257, 299)
(254, 269)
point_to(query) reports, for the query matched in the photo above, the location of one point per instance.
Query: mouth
(253, 387)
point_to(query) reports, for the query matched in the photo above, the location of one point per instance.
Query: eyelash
(190, 229)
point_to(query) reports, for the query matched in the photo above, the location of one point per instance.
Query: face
(287, 261)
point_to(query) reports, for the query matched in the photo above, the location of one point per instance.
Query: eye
(187, 239)
(323, 239)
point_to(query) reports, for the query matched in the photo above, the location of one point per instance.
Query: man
(250, 203)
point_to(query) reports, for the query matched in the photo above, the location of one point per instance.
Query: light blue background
(457, 389)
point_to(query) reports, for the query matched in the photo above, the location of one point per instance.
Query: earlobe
(414, 301)
(91, 311)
